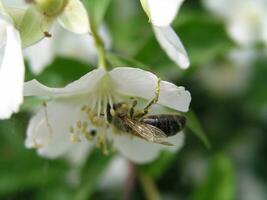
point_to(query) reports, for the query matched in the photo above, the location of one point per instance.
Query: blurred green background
(231, 109)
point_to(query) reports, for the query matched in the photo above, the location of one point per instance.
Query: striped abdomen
(169, 124)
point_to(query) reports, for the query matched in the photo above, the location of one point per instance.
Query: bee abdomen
(169, 124)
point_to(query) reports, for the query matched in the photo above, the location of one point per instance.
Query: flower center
(95, 114)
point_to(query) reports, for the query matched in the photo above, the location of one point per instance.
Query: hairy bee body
(119, 123)
(154, 128)
(168, 123)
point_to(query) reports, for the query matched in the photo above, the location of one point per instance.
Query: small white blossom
(161, 14)
(11, 67)
(230, 76)
(246, 20)
(62, 42)
(74, 17)
(82, 106)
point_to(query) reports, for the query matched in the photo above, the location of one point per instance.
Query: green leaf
(195, 126)
(63, 71)
(256, 96)
(203, 37)
(220, 182)
(58, 192)
(96, 10)
(116, 60)
(93, 169)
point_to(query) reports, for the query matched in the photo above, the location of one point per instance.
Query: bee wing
(147, 131)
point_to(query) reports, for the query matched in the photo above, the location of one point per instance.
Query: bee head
(119, 109)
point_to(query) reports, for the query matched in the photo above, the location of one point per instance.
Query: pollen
(79, 124)
(75, 138)
(71, 129)
(84, 108)
(88, 136)
(94, 115)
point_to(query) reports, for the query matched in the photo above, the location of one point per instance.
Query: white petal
(49, 128)
(172, 45)
(162, 13)
(174, 97)
(39, 55)
(11, 74)
(141, 151)
(74, 17)
(82, 86)
(78, 153)
(139, 83)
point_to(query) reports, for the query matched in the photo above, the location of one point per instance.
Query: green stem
(100, 47)
(149, 187)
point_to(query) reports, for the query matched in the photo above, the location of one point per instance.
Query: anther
(88, 136)
(112, 112)
(84, 108)
(79, 124)
(71, 129)
(75, 138)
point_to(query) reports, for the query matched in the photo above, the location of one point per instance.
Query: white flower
(161, 14)
(63, 42)
(230, 76)
(11, 67)
(74, 17)
(82, 106)
(246, 20)
(66, 44)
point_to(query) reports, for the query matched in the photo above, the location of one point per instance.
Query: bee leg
(132, 107)
(150, 103)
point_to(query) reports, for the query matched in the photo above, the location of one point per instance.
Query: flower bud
(51, 8)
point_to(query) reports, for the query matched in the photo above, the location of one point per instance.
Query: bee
(153, 128)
